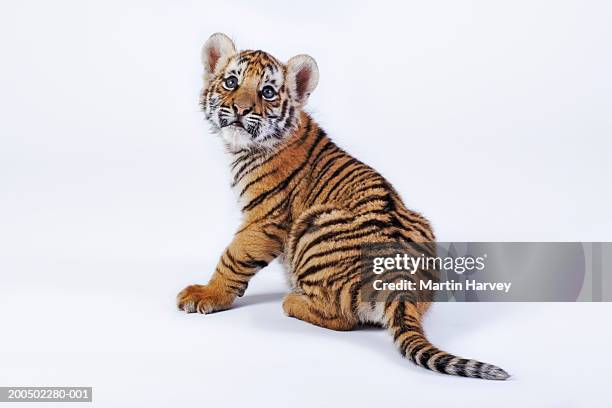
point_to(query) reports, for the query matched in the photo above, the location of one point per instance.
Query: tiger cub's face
(250, 98)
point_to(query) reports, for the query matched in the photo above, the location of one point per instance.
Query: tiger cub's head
(251, 98)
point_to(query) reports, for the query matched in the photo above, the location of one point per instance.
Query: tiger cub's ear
(302, 77)
(215, 52)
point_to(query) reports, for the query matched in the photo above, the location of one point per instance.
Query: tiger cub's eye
(230, 82)
(268, 92)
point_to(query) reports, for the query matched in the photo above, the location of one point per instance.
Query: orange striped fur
(306, 200)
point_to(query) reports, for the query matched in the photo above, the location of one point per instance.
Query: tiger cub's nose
(241, 109)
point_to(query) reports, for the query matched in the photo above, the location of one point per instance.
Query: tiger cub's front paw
(203, 299)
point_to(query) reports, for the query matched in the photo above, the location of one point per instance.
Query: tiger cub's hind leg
(317, 258)
(320, 312)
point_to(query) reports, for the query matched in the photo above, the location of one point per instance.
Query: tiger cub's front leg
(252, 248)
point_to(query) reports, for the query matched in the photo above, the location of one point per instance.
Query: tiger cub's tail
(409, 337)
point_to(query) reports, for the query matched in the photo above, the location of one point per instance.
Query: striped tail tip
(491, 372)
(453, 365)
(418, 349)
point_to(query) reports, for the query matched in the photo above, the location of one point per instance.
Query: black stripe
(416, 225)
(460, 367)
(344, 181)
(283, 110)
(477, 369)
(354, 180)
(252, 263)
(368, 188)
(258, 179)
(273, 237)
(270, 193)
(350, 161)
(335, 221)
(415, 350)
(227, 266)
(426, 355)
(405, 344)
(352, 272)
(246, 168)
(354, 290)
(329, 252)
(369, 199)
(317, 268)
(318, 177)
(442, 362)
(229, 278)
(289, 117)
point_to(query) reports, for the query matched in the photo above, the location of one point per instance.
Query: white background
(492, 118)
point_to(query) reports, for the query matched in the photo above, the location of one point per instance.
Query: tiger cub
(305, 199)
